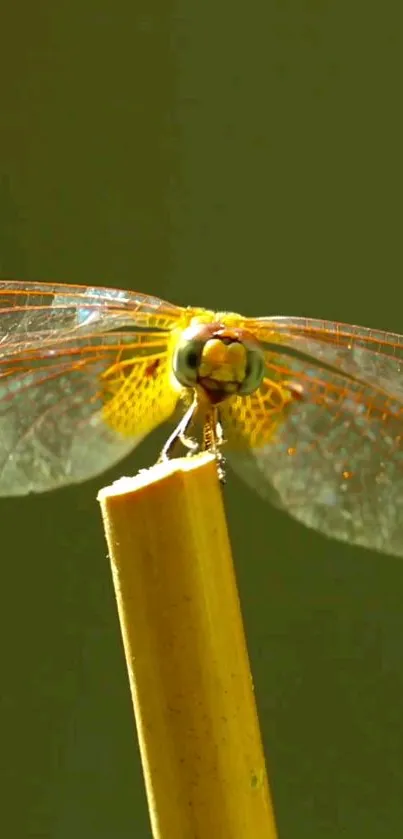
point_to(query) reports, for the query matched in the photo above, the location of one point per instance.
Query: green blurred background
(242, 156)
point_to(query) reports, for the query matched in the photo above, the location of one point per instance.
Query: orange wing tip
(155, 474)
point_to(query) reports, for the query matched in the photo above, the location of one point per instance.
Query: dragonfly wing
(331, 452)
(69, 413)
(368, 354)
(29, 311)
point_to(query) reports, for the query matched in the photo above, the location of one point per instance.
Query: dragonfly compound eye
(254, 370)
(186, 361)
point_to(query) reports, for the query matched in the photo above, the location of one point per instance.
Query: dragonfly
(309, 412)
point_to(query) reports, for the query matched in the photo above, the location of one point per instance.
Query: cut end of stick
(159, 472)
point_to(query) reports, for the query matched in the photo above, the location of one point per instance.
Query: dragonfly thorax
(220, 360)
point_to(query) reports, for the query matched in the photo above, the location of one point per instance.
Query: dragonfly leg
(179, 434)
(213, 440)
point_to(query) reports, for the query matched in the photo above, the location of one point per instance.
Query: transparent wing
(369, 354)
(323, 437)
(70, 410)
(32, 311)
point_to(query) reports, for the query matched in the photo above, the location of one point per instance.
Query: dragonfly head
(219, 360)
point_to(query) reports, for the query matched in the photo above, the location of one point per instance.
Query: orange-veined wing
(373, 354)
(323, 437)
(32, 311)
(74, 396)
(69, 413)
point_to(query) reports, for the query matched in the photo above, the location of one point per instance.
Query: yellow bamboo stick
(185, 650)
